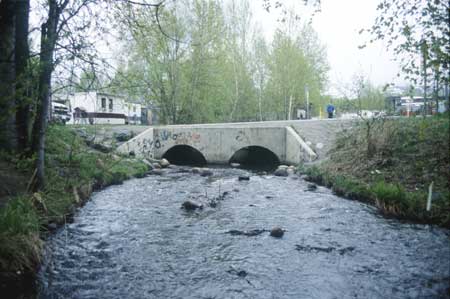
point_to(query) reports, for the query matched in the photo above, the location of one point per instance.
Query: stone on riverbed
(190, 205)
(206, 172)
(164, 163)
(277, 232)
(281, 172)
(312, 187)
(244, 178)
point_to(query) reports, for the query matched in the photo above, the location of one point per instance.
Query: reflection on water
(134, 241)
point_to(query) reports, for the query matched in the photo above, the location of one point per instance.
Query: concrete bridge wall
(292, 141)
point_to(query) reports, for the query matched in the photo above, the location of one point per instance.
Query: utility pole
(424, 50)
(307, 102)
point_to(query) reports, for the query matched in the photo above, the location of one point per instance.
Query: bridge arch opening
(256, 157)
(185, 155)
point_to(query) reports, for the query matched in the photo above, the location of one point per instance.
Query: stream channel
(135, 241)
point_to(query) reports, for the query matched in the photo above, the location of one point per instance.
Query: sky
(338, 25)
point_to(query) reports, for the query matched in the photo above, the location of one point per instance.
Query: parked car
(60, 113)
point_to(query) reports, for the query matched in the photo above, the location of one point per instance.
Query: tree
(297, 62)
(22, 52)
(56, 34)
(418, 33)
(260, 69)
(8, 133)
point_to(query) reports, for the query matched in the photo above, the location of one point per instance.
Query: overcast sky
(338, 25)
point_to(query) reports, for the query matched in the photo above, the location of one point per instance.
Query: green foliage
(416, 30)
(216, 68)
(19, 229)
(19, 217)
(389, 193)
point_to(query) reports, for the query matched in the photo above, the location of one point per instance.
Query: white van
(60, 113)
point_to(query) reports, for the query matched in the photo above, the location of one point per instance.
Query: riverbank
(73, 171)
(391, 163)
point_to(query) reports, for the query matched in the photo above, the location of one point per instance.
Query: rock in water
(235, 165)
(164, 163)
(312, 187)
(243, 178)
(281, 172)
(206, 172)
(277, 232)
(191, 206)
(195, 170)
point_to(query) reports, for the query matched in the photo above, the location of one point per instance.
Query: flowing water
(135, 241)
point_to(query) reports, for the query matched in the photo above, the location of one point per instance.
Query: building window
(103, 104)
(110, 105)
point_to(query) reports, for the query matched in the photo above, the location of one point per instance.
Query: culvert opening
(255, 158)
(185, 155)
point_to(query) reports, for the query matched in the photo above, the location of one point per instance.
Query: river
(135, 241)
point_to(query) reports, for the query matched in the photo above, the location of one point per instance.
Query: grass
(392, 167)
(73, 171)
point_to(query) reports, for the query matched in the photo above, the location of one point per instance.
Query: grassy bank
(391, 164)
(73, 172)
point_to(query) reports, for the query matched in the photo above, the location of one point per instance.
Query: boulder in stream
(190, 205)
(281, 172)
(277, 232)
(244, 178)
(311, 187)
(206, 172)
(164, 163)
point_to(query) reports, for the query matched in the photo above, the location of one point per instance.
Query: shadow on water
(185, 155)
(256, 158)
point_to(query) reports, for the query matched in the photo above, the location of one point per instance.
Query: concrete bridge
(290, 142)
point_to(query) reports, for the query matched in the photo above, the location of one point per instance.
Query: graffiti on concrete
(147, 145)
(242, 137)
(176, 137)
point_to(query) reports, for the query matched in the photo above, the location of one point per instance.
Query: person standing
(330, 110)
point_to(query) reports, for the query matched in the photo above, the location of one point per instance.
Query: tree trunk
(48, 41)
(8, 133)
(21, 61)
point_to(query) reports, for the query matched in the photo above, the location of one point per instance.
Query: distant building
(100, 108)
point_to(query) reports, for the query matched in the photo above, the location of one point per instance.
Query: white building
(102, 108)
(134, 112)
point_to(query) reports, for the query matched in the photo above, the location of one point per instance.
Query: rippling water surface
(134, 241)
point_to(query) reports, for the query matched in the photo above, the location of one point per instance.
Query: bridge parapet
(218, 142)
